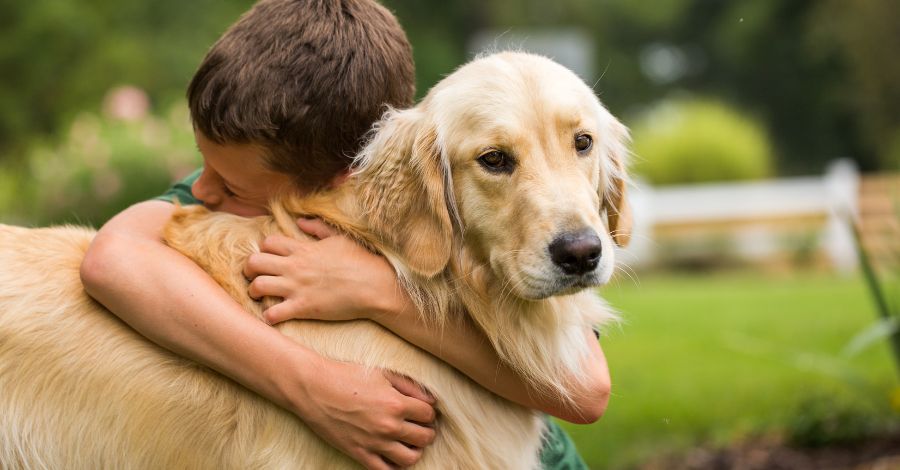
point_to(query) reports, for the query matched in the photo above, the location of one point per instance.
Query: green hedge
(101, 166)
(699, 140)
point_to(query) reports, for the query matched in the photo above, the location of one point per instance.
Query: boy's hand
(329, 278)
(377, 417)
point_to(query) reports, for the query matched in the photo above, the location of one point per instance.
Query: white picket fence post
(832, 197)
(842, 185)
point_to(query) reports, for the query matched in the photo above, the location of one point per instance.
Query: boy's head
(304, 80)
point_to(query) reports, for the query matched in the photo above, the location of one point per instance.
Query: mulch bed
(881, 453)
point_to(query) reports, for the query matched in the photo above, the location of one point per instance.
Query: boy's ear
(405, 192)
(615, 202)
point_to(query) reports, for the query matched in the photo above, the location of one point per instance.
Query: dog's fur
(79, 389)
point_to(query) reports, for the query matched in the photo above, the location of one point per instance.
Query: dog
(500, 196)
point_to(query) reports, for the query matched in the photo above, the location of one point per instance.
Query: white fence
(753, 216)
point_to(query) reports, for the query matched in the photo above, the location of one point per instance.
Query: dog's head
(515, 157)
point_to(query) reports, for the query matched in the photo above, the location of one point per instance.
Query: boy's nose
(205, 192)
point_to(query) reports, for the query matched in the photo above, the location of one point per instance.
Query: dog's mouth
(543, 287)
(581, 283)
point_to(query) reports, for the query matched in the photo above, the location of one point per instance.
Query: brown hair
(306, 79)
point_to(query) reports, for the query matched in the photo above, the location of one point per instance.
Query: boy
(280, 102)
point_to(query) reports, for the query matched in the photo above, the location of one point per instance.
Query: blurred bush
(703, 253)
(699, 140)
(831, 419)
(59, 58)
(892, 157)
(105, 163)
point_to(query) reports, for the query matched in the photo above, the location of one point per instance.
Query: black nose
(576, 252)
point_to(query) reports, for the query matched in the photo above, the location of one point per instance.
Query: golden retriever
(500, 195)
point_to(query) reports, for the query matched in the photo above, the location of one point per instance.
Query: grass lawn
(703, 359)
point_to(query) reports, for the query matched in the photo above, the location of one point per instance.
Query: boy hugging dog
(280, 104)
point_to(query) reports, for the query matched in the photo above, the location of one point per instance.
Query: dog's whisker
(629, 272)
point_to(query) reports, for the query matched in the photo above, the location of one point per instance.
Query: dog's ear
(613, 192)
(405, 191)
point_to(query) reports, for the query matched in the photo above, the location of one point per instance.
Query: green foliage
(657, 15)
(101, 167)
(892, 151)
(820, 74)
(10, 192)
(692, 141)
(59, 58)
(863, 37)
(834, 418)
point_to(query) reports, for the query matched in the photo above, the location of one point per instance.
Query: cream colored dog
(488, 198)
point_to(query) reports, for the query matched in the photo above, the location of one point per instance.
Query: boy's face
(235, 178)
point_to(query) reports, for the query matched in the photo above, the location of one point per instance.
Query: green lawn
(704, 359)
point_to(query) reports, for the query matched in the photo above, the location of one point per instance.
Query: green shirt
(558, 453)
(181, 191)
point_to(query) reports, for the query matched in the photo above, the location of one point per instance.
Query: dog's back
(80, 389)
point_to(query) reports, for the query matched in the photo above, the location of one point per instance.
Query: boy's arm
(466, 348)
(363, 285)
(166, 297)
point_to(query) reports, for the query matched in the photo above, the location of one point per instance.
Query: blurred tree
(762, 55)
(864, 37)
(819, 73)
(59, 57)
(439, 32)
(755, 54)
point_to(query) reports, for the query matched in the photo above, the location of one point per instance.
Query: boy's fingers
(402, 455)
(316, 228)
(409, 387)
(372, 461)
(268, 286)
(260, 264)
(278, 245)
(419, 411)
(283, 311)
(418, 436)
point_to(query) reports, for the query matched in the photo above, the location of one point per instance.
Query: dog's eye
(496, 161)
(583, 143)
